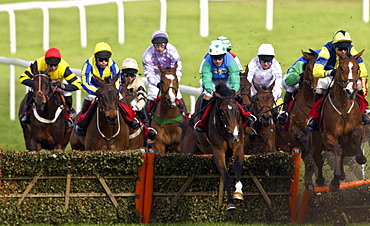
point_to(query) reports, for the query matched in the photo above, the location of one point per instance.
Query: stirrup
(79, 130)
(26, 118)
(312, 124)
(365, 119)
(152, 133)
(282, 117)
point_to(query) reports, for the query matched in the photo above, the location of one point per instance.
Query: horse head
(228, 113)
(169, 85)
(108, 98)
(264, 103)
(348, 74)
(42, 90)
(308, 77)
(245, 87)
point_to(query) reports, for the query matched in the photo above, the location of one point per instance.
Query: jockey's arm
(319, 67)
(27, 76)
(207, 77)
(293, 76)
(74, 83)
(86, 79)
(234, 76)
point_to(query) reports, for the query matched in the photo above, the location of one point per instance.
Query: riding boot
(144, 119)
(70, 109)
(25, 116)
(365, 117)
(284, 115)
(197, 127)
(82, 125)
(312, 123)
(134, 124)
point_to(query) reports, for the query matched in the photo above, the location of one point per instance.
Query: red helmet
(53, 56)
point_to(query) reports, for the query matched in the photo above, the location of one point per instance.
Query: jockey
(228, 46)
(325, 68)
(163, 53)
(136, 93)
(59, 71)
(264, 69)
(219, 66)
(101, 65)
(291, 82)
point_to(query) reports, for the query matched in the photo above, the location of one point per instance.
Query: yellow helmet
(130, 63)
(103, 50)
(341, 36)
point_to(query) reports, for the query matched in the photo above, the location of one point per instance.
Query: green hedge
(205, 208)
(125, 166)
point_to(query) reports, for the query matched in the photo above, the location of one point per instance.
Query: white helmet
(216, 48)
(130, 63)
(266, 49)
(225, 41)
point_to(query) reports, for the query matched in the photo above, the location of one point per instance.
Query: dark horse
(302, 104)
(167, 118)
(225, 138)
(342, 129)
(47, 127)
(107, 129)
(262, 107)
(245, 95)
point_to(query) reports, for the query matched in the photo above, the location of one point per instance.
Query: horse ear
(256, 86)
(175, 67)
(98, 80)
(272, 85)
(114, 80)
(160, 68)
(305, 54)
(358, 55)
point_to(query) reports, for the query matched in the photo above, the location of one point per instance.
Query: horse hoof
(334, 185)
(320, 182)
(361, 159)
(238, 195)
(230, 207)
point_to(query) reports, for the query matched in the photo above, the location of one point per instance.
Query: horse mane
(224, 90)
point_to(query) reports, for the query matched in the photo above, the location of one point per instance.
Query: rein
(100, 132)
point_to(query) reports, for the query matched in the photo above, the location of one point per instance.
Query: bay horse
(302, 103)
(168, 119)
(107, 129)
(46, 129)
(342, 129)
(264, 126)
(245, 95)
(224, 138)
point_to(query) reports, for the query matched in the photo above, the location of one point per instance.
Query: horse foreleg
(219, 158)
(308, 158)
(357, 136)
(238, 162)
(338, 168)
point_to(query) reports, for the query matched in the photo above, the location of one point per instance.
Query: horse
(302, 103)
(245, 95)
(107, 129)
(225, 138)
(342, 129)
(46, 129)
(262, 107)
(136, 137)
(168, 119)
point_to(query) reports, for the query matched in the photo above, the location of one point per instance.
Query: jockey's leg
(72, 112)
(82, 125)
(25, 116)
(364, 116)
(144, 119)
(283, 115)
(127, 113)
(312, 120)
(198, 127)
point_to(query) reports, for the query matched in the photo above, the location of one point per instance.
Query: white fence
(12, 62)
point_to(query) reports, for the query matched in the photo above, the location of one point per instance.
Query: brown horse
(262, 107)
(47, 127)
(168, 119)
(245, 94)
(136, 137)
(225, 138)
(342, 129)
(107, 129)
(302, 104)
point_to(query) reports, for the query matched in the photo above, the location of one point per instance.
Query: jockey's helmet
(342, 39)
(102, 50)
(159, 37)
(52, 56)
(129, 65)
(266, 52)
(226, 42)
(216, 47)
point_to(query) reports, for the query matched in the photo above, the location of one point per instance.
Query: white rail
(12, 62)
(80, 4)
